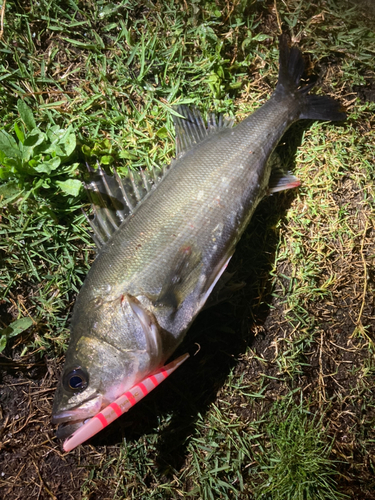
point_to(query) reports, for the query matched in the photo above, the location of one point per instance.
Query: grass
(296, 464)
(278, 404)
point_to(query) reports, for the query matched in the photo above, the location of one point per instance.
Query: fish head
(112, 348)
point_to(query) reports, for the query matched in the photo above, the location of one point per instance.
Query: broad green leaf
(68, 169)
(55, 134)
(27, 153)
(54, 162)
(70, 144)
(9, 192)
(11, 162)
(35, 161)
(11, 199)
(2, 157)
(19, 133)
(9, 189)
(48, 166)
(17, 327)
(14, 329)
(96, 150)
(5, 171)
(86, 150)
(261, 37)
(108, 9)
(70, 187)
(26, 114)
(37, 184)
(43, 168)
(106, 160)
(162, 133)
(53, 149)
(34, 138)
(8, 145)
(107, 145)
(127, 155)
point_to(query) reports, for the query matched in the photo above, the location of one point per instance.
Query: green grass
(296, 463)
(278, 404)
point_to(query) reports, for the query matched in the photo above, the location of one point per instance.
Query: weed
(39, 161)
(295, 463)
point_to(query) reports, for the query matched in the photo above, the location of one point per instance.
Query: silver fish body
(155, 273)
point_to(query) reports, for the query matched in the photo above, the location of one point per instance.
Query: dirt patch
(365, 92)
(32, 464)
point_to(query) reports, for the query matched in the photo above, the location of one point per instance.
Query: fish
(164, 241)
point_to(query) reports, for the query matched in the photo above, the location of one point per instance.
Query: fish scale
(155, 270)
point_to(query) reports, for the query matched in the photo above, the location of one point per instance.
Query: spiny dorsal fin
(191, 129)
(114, 199)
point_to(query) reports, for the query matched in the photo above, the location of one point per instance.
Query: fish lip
(64, 417)
(68, 428)
(78, 414)
(69, 421)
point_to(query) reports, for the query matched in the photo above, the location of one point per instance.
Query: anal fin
(280, 179)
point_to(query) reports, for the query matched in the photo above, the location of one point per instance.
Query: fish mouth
(65, 430)
(69, 421)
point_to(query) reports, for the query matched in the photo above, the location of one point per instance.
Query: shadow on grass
(217, 338)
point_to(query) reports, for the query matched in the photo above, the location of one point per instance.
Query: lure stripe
(115, 407)
(143, 388)
(130, 397)
(154, 380)
(102, 419)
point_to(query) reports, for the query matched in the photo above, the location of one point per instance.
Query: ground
(280, 389)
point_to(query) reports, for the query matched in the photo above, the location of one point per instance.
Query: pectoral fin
(223, 290)
(182, 278)
(210, 285)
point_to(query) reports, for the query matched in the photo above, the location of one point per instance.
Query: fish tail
(312, 107)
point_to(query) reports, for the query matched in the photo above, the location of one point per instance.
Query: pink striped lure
(121, 405)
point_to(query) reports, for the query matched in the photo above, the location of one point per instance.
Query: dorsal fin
(191, 128)
(113, 199)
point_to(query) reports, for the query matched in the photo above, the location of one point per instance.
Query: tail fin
(291, 68)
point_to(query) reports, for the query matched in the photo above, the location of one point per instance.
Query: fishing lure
(121, 405)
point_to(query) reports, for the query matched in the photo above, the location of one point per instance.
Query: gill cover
(150, 328)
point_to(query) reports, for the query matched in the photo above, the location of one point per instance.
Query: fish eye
(76, 380)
